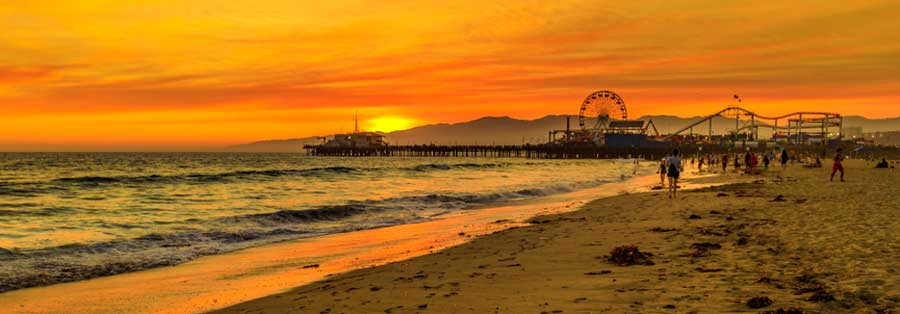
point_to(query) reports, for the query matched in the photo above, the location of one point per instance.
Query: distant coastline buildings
(857, 135)
(890, 138)
(853, 132)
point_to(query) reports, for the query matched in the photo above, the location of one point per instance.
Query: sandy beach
(786, 242)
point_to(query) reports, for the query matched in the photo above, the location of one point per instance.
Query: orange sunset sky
(202, 74)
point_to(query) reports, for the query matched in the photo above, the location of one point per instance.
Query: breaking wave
(206, 178)
(250, 175)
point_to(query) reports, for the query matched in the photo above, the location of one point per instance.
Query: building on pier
(364, 141)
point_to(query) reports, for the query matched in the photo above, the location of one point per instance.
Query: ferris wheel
(599, 108)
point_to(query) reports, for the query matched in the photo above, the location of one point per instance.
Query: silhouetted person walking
(724, 163)
(838, 164)
(747, 164)
(784, 158)
(675, 167)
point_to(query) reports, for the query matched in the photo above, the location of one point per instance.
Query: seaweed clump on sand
(821, 296)
(783, 311)
(759, 302)
(629, 255)
(807, 283)
(702, 249)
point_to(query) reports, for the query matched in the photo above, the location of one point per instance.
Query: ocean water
(73, 216)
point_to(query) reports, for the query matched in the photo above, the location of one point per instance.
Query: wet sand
(788, 243)
(218, 281)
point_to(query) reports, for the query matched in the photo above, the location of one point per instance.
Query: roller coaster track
(736, 112)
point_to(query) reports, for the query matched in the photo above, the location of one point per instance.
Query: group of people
(747, 162)
(672, 166)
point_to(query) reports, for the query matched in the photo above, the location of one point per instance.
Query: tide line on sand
(789, 242)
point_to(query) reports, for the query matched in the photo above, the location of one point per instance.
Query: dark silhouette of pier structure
(617, 138)
(494, 151)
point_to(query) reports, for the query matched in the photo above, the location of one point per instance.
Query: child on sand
(838, 166)
(675, 167)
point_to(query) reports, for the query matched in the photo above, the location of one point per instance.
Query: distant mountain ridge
(511, 131)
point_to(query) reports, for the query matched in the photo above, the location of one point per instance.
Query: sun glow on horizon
(389, 123)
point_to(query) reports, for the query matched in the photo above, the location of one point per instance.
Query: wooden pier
(494, 151)
(549, 151)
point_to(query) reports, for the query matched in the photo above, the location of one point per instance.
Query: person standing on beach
(784, 158)
(700, 164)
(751, 165)
(724, 163)
(673, 171)
(766, 162)
(838, 164)
(747, 161)
(662, 172)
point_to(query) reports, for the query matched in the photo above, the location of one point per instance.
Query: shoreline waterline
(217, 281)
(83, 217)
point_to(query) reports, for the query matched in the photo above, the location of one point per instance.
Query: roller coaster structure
(800, 127)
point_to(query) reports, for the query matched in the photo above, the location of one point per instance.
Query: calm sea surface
(73, 216)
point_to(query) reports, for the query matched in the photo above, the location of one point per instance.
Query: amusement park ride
(603, 120)
(798, 127)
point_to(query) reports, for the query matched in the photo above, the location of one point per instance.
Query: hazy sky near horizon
(199, 74)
